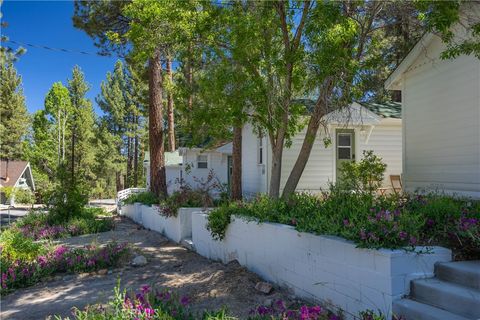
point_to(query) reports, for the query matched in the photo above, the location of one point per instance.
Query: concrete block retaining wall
(175, 228)
(319, 268)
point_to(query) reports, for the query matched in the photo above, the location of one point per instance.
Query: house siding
(216, 161)
(253, 174)
(442, 123)
(385, 140)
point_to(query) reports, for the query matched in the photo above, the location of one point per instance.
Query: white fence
(125, 193)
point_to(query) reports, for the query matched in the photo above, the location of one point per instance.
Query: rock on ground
(210, 285)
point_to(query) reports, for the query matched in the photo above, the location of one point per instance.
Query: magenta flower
(185, 301)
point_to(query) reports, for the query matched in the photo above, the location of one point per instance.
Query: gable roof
(393, 81)
(385, 110)
(15, 170)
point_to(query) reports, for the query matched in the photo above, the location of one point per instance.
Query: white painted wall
(441, 115)
(319, 268)
(216, 161)
(254, 176)
(385, 140)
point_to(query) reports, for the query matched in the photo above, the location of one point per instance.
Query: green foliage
(24, 196)
(15, 246)
(147, 198)
(17, 273)
(365, 175)
(369, 221)
(13, 110)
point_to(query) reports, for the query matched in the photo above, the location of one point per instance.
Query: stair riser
(461, 277)
(467, 306)
(417, 311)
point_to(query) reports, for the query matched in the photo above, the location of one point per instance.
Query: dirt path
(210, 285)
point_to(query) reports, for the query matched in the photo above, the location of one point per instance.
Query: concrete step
(448, 296)
(188, 243)
(465, 273)
(413, 310)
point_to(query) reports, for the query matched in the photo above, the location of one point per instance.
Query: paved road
(14, 213)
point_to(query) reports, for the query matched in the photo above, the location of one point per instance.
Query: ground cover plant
(369, 221)
(40, 225)
(149, 303)
(25, 262)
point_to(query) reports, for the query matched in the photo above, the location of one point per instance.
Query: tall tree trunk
(170, 114)
(276, 172)
(129, 162)
(313, 124)
(158, 183)
(135, 157)
(118, 180)
(190, 77)
(237, 163)
(73, 157)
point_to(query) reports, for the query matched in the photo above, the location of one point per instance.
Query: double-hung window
(202, 161)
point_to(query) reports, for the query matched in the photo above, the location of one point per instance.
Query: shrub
(15, 246)
(41, 225)
(365, 175)
(147, 198)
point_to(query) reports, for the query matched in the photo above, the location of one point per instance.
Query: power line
(24, 44)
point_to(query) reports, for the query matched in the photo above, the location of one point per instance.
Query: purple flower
(413, 240)
(346, 222)
(145, 289)
(403, 235)
(185, 301)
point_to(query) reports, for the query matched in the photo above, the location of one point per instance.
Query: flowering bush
(16, 273)
(374, 222)
(149, 303)
(41, 225)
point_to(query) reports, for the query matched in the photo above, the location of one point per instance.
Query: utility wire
(24, 44)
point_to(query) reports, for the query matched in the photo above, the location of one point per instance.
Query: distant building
(15, 174)
(191, 165)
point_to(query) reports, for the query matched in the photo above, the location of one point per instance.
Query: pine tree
(14, 117)
(81, 152)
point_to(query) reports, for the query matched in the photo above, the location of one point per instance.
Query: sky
(49, 23)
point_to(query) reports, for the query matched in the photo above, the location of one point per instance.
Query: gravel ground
(209, 284)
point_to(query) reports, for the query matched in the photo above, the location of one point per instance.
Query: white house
(352, 130)
(441, 119)
(15, 174)
(193, 165)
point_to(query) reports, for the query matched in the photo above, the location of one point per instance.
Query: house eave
(394, 81)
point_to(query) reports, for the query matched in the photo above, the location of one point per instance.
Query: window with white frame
(260, 150)
(202, 161)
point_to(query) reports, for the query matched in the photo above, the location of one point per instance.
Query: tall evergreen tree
(14, 117)
(81, 153)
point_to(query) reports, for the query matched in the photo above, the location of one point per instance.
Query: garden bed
(319, 268)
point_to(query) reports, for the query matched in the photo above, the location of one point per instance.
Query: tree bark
(135, 156)
(158, 183)
(129, 162)
(276, 172)
(237, 163)
(313, 124)
(118, 180)
(170, 114)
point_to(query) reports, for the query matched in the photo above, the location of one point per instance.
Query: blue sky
(49, 23)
